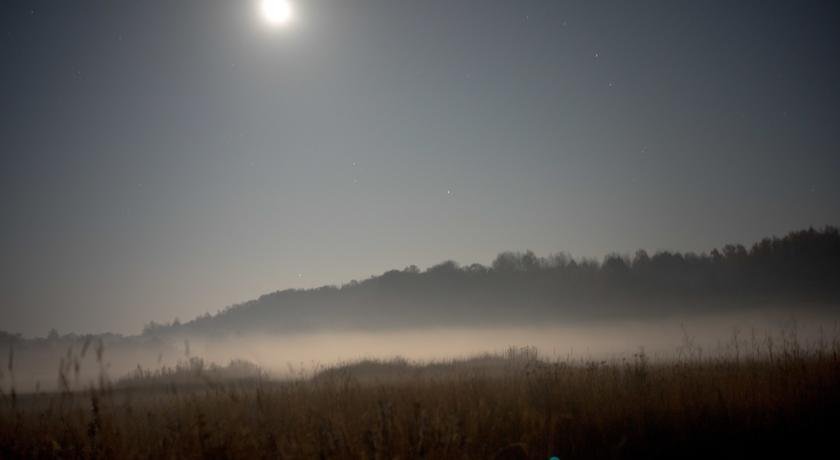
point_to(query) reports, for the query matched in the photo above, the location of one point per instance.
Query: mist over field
(294, 355)
(419, 229)
(665, 306)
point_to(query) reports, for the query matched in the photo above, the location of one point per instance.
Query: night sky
(163, 159)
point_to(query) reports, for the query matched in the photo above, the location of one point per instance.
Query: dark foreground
(769, 404)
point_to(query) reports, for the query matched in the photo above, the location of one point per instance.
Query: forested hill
(521, 288)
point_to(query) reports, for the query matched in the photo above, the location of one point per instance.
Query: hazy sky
(164, 158)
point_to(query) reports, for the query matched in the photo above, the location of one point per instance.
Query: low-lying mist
(725, 302)
(596, 340)
(37, 366)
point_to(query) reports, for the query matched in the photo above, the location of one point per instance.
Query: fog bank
(36, 364)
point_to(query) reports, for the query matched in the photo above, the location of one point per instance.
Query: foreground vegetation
(760, 400)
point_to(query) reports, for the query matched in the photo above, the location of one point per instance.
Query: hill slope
(802, 267)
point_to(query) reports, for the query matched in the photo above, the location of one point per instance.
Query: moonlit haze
(163, 160)
(419, 229)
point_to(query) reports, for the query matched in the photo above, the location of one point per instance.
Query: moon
(277, 12)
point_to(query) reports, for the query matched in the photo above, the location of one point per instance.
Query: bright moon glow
(277, 12)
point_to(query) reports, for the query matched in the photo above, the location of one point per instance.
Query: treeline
(802, 267)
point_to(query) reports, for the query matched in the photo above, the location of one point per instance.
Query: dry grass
(771, 403)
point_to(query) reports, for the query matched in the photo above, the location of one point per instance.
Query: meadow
(761, 399)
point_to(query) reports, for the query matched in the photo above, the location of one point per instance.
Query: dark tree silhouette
(803, 267)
